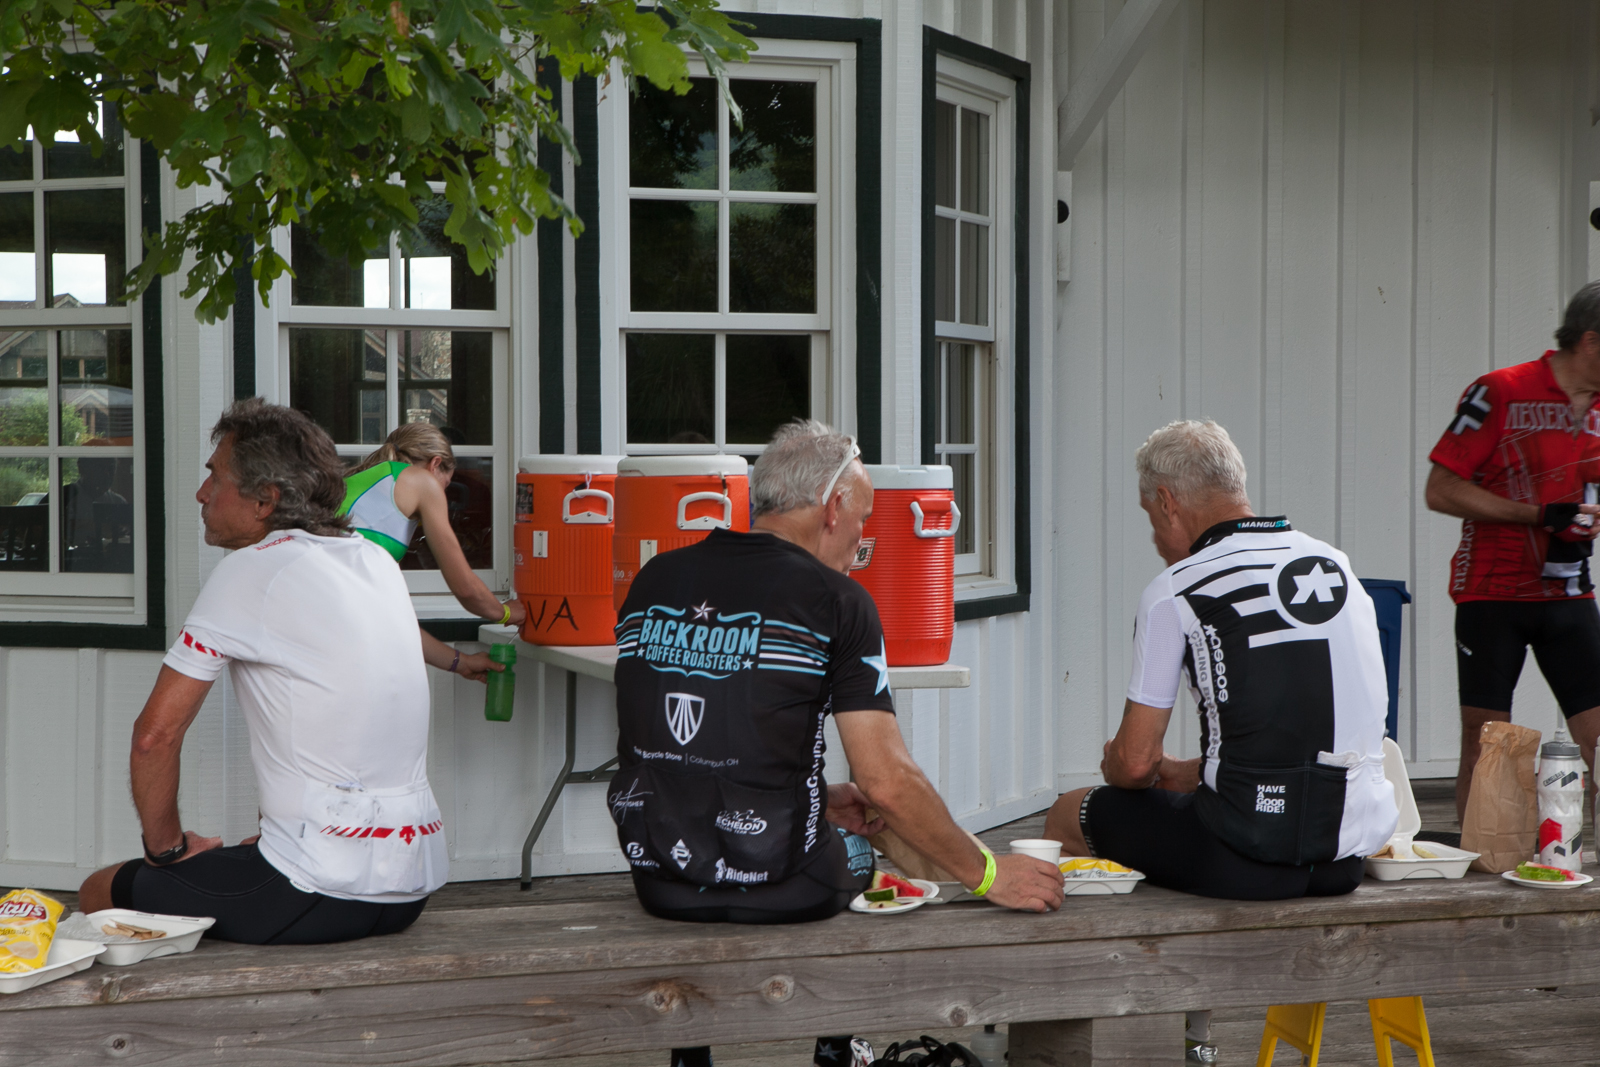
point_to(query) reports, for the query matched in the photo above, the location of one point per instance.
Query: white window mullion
(720, 392)
(41, 293)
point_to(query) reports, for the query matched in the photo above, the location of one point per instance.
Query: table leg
(559, 784)
(1120, 1041)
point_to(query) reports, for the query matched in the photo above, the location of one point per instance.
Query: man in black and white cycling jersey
(1279, 646)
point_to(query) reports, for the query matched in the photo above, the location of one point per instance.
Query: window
(414, 336)
(966, 196)
(72, 503)
(730, 283)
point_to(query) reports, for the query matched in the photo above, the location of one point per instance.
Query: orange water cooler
(562, 548)
(907, 561)
(668, 502)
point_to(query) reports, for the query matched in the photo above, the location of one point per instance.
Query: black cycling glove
(1561, 521)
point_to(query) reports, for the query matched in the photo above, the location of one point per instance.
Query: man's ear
(1168, 502)
(270, 495)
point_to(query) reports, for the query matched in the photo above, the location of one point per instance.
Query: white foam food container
(1100, 887)
(66, 957)
(183, 934)
(1448, 862)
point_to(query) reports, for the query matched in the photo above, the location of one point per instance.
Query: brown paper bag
(910, 862)
(1502, 819)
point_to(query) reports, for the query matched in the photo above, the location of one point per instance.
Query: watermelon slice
(879, 894)
(901, 887)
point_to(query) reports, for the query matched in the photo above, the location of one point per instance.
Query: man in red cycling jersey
(1519, 465)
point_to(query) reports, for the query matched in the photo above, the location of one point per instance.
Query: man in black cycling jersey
(731, 653)
(1278, 643)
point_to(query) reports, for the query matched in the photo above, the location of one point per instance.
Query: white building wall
(1313, 221)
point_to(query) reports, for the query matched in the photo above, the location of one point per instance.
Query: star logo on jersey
(1313, 589)
(1472, 410)
(702, 610)
(880, 663)
(685, 712)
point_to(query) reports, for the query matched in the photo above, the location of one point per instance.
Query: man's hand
(475, 666)
(1561, 521)
(847, 807)
(197, 845)
(1178, 775)
(1026, 884)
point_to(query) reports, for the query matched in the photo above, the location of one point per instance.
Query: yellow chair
(1393, 1018)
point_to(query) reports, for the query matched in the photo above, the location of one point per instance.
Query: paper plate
(1582, 879)
(901, 905)
(66, 957)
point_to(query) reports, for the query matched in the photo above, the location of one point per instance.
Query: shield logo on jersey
(1313, 589)
(685, 711)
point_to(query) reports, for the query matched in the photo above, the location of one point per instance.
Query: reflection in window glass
(974, 274)
(375, 283)
(16, 164)
(768, 384)
(95, 369)
(24, 514)
(974, 162)
(772, 258)
(322, 280)
(436, 272)
(24, 403)
(672, 139)
(86, 243)
(470, 497)
(960, 402)
(673, 255)
(777, 149)
(17, 277)
(944, 155)
(69, 158)
(963, 467)
(338, 377)
(446, 380)
(97, 515)
(944, 269)
(671, 388)
(960, 368)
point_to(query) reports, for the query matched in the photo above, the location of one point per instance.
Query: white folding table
(600, 661)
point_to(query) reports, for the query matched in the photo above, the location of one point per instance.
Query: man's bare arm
(1134, 757)
(1450, 494)
(893, 783)
(153, 763)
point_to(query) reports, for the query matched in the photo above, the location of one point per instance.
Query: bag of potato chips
(27, 926)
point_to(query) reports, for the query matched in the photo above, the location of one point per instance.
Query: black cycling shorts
(821, 890)
(1160, 833)
(253, 903)
(1492, 639)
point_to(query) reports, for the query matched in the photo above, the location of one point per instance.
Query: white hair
(1195, 459)
(796, 466)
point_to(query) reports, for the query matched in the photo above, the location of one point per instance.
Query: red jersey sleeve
(1473, 433)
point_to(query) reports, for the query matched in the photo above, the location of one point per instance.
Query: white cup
(1038, 848)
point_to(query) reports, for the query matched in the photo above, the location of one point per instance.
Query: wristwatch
(171, 855)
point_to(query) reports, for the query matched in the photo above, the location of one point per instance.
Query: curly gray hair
(1194, 458)
(794, 470)
(281, 447)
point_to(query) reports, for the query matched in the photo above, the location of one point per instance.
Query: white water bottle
(989, 1046)
(1561, 803)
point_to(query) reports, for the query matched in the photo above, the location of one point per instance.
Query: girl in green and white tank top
(401, 486)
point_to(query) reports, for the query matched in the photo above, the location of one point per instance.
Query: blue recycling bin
(1388, 594)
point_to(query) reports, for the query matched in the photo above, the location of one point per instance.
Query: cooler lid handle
(937, 507)
(595, 517)
(705, 522)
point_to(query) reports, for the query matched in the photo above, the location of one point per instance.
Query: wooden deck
(575, 973)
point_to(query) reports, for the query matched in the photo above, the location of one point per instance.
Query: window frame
(430, 594)
(951, 64)
(831, 63)
(109, 610)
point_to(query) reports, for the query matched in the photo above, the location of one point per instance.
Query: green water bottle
(502, 684)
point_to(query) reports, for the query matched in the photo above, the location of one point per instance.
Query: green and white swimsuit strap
(369, 501)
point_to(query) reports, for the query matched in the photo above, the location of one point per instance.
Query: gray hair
(796, 466)
(1195, 459)
(1583, 315)
(280, 447)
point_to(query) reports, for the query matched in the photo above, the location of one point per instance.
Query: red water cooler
(668, 502)
(907, 561)
(562, 548)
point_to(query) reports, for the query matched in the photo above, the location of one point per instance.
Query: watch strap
(171, 855)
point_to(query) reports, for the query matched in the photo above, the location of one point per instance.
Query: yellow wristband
(988, 874)
(507, 616)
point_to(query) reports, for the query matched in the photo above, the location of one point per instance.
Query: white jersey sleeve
(1158, 648)
(225, 622)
